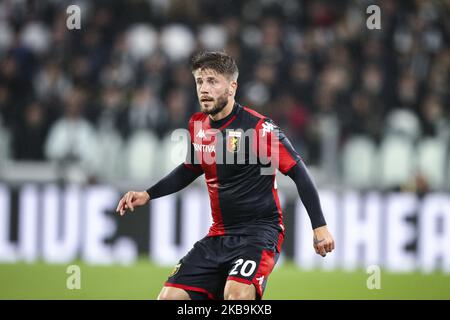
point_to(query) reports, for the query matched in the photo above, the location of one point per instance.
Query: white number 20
(245, 265)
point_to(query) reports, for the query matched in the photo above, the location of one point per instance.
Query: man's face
(213, 90)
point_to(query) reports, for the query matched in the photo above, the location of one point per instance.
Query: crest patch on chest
(233, 140)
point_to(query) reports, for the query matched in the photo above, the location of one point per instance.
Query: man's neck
(225, 111)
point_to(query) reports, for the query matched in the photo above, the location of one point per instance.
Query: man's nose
(204, 88)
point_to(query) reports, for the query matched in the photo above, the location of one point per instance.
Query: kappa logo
(201, 134)
(267, 127)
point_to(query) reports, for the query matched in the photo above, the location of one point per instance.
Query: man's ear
(233, 86)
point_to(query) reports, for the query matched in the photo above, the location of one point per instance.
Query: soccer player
(238, 150)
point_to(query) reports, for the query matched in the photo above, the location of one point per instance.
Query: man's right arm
(176, 180)
(179, 178)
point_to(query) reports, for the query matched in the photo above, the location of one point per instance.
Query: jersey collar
(220, 124)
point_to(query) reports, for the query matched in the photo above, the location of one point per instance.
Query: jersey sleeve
(274, 147)
(308, 193)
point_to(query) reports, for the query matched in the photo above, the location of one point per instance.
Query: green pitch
(144, 280)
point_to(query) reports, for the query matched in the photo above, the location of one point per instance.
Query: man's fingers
(119, 206)
(321, 249)
(323, 241)
(316, 249)
(125, 203)
(122, 206)
(330, 246)
(129, 201)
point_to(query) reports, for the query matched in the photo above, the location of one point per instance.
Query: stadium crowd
(366, 108)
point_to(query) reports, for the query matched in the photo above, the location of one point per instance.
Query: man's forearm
(178, 179)
(308, 193)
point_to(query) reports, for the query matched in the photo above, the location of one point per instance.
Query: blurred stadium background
(87, 114)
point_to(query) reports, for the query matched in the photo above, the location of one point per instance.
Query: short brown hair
(216, 60)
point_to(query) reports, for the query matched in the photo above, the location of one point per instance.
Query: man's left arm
(323, 240)
(273, 143)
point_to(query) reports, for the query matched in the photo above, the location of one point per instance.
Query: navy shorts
(204, 270)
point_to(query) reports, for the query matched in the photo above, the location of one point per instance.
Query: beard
(219, 104)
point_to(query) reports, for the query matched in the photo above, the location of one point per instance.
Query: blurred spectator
(51, 83)
(259, 92)
(72, 138)
(177, 103)
(153, 72)
(302, 81)
(30, 134)
(117, 74)
(145, 111)
(408, 91)
(372, 80)
(402, 122)
(112, 110)
(434, 122)
(362, 118)
(177, 41)
(6, 108)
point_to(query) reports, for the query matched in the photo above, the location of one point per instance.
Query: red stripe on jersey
(212, 182)
(227, 123)
(217, 228)
(286, 161)
(202, 134)
(264, 269)
(194, 122)
(280, 215)
(253, 112)
(189, 288)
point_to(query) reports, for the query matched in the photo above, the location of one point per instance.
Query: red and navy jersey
(239, 156)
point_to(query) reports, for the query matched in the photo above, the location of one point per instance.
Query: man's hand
(323, 241)
(132, 199)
